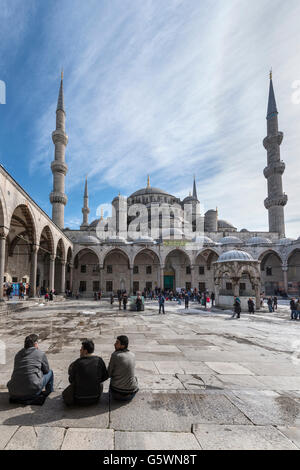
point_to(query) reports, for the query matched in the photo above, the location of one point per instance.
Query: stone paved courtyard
(206, 381)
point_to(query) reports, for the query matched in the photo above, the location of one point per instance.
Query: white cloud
(173, 89)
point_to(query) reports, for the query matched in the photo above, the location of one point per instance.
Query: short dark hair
(123, 340)
(30, 341)
(88, 345)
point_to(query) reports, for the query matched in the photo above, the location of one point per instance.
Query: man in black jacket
(86, 375)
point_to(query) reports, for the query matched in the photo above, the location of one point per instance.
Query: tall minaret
(276, 199)
(85, 209)
(59, 168)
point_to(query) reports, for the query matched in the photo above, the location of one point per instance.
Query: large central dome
(149, 190)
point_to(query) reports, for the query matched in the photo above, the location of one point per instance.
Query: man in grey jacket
(31, 373)
(123, 383)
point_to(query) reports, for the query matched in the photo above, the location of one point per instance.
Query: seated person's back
(86, 375)
(121, 369)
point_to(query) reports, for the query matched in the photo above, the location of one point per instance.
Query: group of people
(272, 303)
(295, 309)
(33, 380)
(23, 290)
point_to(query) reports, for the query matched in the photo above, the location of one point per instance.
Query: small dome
(258, 241)
(115, 239)
(224, 224)
(285, 241)
(87, 239)
(143, 239)
(244, 230)
(189, 199)
(235, 255)
(203, 240)
(94, 223)
(230, 240)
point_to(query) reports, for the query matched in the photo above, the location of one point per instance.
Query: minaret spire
(195, 189)
(273, 172)
(148, 181)
(59, 168)
(85, 209)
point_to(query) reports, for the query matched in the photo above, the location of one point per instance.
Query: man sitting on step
(31, 374)
(86, 375)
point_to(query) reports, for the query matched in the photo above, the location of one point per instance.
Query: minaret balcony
(57, 197)
(85, 210)
(280, 200)
(59, 167)
(274, 168)
(58, 136)
(273, 140)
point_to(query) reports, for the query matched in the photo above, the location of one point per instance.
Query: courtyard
(207, 381)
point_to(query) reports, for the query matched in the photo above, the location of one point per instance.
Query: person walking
(161, 303)
(125, 300)
(139, 303)
(251, 306)
(293, 308)
(270, 304)
(237, 307)
(112, 298)
(275, 303)
(298, 310)
(213, 297)
(120, 299)
(186, 301)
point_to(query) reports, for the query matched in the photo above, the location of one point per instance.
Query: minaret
(59, 168)
(276, 199)
(85, 209)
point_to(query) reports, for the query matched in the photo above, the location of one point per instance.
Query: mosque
(41, 251)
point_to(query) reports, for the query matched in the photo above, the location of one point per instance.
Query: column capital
(284, 267)
(3, 232)
(52, 258)
(35, 248)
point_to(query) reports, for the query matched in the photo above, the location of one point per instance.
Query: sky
(170, 89)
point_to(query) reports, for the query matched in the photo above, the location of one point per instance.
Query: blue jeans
(48, 380)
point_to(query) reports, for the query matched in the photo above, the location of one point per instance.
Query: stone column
(131, 280)
(63, 277)
(71, 266)
(100, 278)
(2, 264)
(33, 270)
(285, 277)
(235, 285)
(217, 294)
(51, 272)
(162, 277)
(257, 296)
(193, 282)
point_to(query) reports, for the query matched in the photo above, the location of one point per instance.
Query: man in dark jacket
(31, 373)
(250, 306)
(86, 375)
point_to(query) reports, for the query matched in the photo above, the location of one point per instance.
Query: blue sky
(170, 88)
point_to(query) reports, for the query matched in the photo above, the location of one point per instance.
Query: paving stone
(145, 367)
(200, 382)
(155, 441)
(236, 437)
(55, 413)
(6, 433)
(173, 412)
(264, 407)
(292, 433)
(225, 368)
(279, 383)
(37, 438)
(159, 382)
(169, 367)
(88, 439)
(233, 382)
(274, 368)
